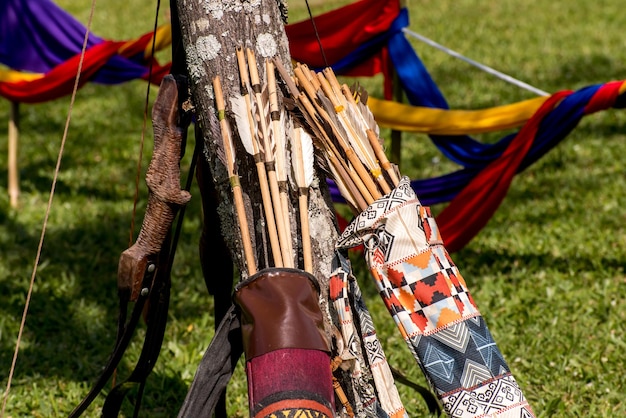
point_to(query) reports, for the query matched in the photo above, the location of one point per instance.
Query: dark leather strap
(126, 331)
(156, 320)
(215, 369)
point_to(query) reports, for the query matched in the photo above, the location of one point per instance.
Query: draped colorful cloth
(39, 37)
(475, 191)
(354, 40)
(430, 302)
(41, 45)
(361, 39)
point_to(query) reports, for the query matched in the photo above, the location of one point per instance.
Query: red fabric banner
(341, 31)
(60, 80)
(472, 208)
(605, 97)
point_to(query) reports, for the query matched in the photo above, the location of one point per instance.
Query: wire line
(483, 67)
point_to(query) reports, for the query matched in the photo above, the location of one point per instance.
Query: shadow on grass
(71, 324)
(480, 261)
(595, 68)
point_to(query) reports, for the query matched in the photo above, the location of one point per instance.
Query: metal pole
(396, 136)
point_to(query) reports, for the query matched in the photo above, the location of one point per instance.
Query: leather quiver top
(280, 309)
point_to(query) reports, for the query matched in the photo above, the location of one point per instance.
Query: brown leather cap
(280, 309)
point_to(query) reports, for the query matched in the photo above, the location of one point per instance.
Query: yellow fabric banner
(407, 118)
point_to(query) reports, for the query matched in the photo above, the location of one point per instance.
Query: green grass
(547, 272)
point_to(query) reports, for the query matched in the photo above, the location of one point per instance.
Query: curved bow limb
(143, 275)
(163, 179)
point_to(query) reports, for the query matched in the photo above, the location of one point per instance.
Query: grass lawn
(547, 272)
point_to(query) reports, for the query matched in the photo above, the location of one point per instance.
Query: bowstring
(131, 232)
(317, 35)
(143, 128)
(48, 209)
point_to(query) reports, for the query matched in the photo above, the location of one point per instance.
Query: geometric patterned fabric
(429, 300)
(354, 321)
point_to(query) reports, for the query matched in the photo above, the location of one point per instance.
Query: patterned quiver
(362, 355)
(432, 307)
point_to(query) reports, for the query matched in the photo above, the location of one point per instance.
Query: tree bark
(211, 31)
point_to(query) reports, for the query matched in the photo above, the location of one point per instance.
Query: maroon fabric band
(288, 380)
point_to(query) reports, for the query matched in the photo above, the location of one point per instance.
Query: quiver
(287, 354)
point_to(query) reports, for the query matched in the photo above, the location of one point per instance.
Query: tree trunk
(211, 32)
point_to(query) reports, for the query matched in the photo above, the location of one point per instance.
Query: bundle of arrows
(403, 247)
(281, 125)
(263, 130)
(345, 133)
(326, 116)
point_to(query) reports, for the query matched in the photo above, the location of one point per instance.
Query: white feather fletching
(368, 117)
(354, 116)
(355, 142)
(361, 144)
(264, 124)
(303, 157)
(330, 110)
(240, 112)
(308, 157)
(290, 155)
